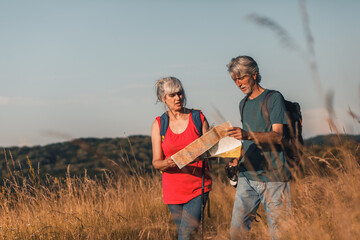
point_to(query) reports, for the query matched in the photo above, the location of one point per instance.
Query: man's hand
(238, 133)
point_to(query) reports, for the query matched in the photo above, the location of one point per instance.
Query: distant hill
(331, 139)
(93, 154)
(96, 155)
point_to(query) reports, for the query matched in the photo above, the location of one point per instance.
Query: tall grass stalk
(325, 204)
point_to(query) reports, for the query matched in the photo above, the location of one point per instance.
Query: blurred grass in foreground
(325, 203)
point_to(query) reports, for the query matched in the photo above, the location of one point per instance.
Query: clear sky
(71, 69)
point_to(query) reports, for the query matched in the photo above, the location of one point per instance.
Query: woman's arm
(157, 161)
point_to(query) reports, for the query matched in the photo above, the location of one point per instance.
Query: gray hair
(243, 64)
(168, 85)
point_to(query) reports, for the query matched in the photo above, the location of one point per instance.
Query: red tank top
(182, 185)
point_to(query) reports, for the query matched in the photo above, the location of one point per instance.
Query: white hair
(243, 64)
(168, 85)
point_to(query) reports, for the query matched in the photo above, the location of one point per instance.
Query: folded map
(227, 147)
(200, 145)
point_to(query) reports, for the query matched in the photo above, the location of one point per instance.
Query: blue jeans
(187, 216)
(275, 197)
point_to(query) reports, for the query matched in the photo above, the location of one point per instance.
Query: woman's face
(174, 100)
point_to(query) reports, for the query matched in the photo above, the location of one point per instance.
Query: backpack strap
(164, 123)
(266, 104)
(242, 105)
(197, 120)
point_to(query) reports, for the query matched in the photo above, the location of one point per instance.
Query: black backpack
(292, 132)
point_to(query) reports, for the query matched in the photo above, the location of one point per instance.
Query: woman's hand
(164, 165)
(170, 163)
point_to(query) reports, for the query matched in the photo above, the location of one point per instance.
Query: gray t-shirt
(264, 162)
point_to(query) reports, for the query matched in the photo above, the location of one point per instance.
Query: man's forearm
(265, 137)
(273, 137)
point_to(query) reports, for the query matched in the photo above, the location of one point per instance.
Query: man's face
(245, 82)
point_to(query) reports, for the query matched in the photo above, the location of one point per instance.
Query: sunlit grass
(325, 204)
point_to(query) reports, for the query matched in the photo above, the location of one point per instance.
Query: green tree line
(93, 155)
(96, 156)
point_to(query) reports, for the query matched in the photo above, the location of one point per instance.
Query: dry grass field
(325, 203)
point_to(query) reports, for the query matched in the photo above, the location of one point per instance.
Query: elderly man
(263, 171)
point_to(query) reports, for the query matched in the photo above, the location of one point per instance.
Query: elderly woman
(181, 187)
